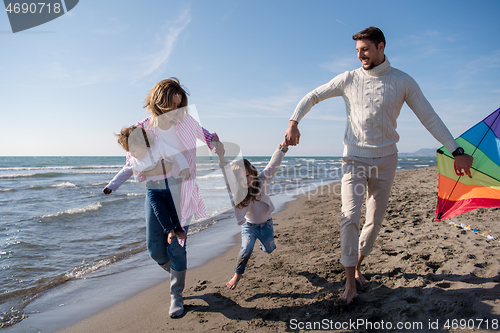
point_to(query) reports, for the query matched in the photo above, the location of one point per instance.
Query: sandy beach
(423, 275)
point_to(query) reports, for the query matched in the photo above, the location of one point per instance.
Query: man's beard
(369, 66)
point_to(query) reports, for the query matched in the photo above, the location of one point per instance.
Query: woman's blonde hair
(244, 195)
(160, 99)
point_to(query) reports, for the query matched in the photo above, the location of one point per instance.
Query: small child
(252, 204)
(146, 154)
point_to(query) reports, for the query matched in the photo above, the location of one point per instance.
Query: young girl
(145, 154)
(252, 205)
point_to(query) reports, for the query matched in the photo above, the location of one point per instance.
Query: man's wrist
(458, 152)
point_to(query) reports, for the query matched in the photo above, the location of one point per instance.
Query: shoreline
(420, 271)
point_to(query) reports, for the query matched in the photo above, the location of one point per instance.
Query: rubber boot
(166, 266)
(177, 281)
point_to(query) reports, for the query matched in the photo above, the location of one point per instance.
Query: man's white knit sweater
(373, 100)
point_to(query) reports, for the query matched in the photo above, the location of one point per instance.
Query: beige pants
(360, 175)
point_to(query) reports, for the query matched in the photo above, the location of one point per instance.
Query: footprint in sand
(202, 285)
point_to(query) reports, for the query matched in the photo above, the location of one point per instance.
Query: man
(374, 95)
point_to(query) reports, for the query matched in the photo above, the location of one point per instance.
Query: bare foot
(234, 281)
(346, 297)
(360, 279)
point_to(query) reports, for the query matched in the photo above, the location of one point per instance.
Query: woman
(170, 122)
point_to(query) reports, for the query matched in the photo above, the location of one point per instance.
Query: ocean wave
(79, 271)
(53, 174)
(211, 176)
(59, 185)
(65, 184)
(6, 190)
(205, 169)
(217, 188)
(100, 183)
(90, 208)
(198, 165)
(12, 241)
(94, 172)
(328, 163)
(291, 180)
(68, 167)
(32, 175)
(135, 194)
(292, 166)
(131, 180)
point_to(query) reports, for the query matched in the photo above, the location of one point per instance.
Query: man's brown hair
(372, 33)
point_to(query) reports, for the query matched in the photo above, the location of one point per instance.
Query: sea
(57, 227)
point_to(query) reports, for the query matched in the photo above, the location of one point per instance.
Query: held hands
(172, 234)
(463, 163)
(219, 150)
(292, 134)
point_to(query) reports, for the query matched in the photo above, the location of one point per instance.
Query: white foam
(211, 176)
(89, 208)
(65, 184)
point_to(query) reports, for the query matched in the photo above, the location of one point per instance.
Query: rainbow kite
(460, 194)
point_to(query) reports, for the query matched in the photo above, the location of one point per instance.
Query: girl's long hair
(160, 100)
(244, 195)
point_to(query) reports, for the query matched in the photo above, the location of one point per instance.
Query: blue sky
(68, 85)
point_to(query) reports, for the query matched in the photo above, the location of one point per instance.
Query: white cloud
(159, 58)
(482, 65)
(342, 23)
(136, 67)
(280, 105)
(276, 105)
(343, 64)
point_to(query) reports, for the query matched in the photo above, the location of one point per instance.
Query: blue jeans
(163, 205)
(249, 234)
(156, 240)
